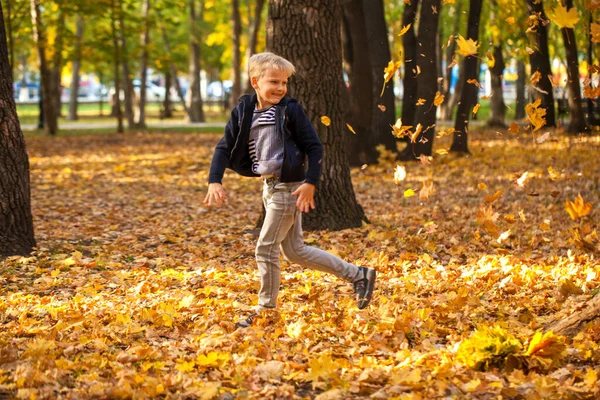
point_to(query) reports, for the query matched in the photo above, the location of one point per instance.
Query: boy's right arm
(216, 195)
(220, 159)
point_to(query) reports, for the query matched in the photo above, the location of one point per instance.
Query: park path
(103, 125)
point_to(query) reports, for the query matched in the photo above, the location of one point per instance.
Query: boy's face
(271, 87)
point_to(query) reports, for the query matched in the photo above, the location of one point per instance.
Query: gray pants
(282, 231)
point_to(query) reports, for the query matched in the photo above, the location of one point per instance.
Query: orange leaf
(578, 208)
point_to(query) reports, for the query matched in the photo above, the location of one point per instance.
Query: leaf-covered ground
(135, 287)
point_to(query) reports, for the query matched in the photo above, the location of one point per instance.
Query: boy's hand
(306, 197)
(216, 195)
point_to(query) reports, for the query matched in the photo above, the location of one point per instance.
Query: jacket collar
(248, 102)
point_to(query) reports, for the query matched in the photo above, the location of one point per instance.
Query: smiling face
(271, 87)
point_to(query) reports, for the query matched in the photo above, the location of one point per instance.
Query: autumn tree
(145, 43)
(308, 34)
(16, 222)
(196, 106)
(236, 25)
(496, 66)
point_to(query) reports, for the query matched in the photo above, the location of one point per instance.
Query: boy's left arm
(306, 197)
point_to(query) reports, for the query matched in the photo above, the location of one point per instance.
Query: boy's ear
(254, 81)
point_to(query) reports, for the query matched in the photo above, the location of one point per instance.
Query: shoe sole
(371, 276)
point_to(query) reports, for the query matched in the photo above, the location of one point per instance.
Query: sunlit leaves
(399, 130)
(595, 30)
(466, 47)
(488, 348)
(536, 114)
(388, 73)
(325, 120)
(578, 208)
(564, 18)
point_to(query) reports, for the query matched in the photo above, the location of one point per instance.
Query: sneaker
(244, 323)
(364, 286)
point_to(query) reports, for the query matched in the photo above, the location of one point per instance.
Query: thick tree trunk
(79, 25)
(445, 109)
(116, 62)
(236, 24)
(308, 34)
(469, 91)
(128, 92)
(574, 323)
(254, 29)
(16, 222)
(497, 105)
(196, 108)
(577, 123)
(540, 61)
(409, 81)
(425, 117)
(49, 112)
(145, 42)
(520, 87)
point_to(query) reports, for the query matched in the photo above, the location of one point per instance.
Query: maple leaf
(536, 114)
(399, 130)
(439, 99)
(421, 101)
(593, 5)
(578, 208)
(322, 367)
(487, 348)
(564, 18)
(445, 132)
(388, 73)
(545, 350)
(466, 47)
(325, 120)
(491, 60)
(514, 128)
(417, 132)
(510, 20)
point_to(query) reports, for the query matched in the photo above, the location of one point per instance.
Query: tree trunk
(497, 105)
(469, 91)
(174, 73)
(16, 222)
(128, 92)
(49, 112)
(409, 81)
(592, 118)
(57, 64)
(167, 111)
(145, 42)
(427, 79)
(445, 109)
(11, 39)
(308, 34)
(79, 25)
(236, 23)
(574, 323)
(520, 87)
(540, 61)
(254, 29)
(116, 62)
(196, 111)
(577, 123)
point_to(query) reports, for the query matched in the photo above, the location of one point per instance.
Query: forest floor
(135, 286)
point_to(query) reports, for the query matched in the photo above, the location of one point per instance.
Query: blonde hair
(259, 63)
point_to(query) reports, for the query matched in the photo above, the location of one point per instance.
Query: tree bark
(196, 108)
(497, 105)
(409, 81)
(79, 25)
(254, 29)
(540, 61)
(167, 111)
(577, 123)
(520, 87)
(425, 116)
(48, 104)
(145, 42)
(57, 64)
(445, 109)
(236, 24)
(16, 221)
(574, 323)
(11, 40)
(308, 34)
(116, 62)
(128, 92)
(469, 91)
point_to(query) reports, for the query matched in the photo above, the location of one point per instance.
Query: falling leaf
(421, 101)
(445, 132)
(510, 20)
(476, 108)
(543, 137)
(514, 128)
(466, 47)
(388, 73)
(409, 193)
(564, 18)
(417, 132)
(474, 82)
(426, 190)
(529, 50)
(449, 1)
(453, 62)
(522, 179)
(442, 151)
(535, 77)
(578, 209)
(536, 114)
(482, 186)
(553, 174)
(399, 130)
(351, 128)
(381, 107)
(503, 236)
(439, 99)
(325, 120)
(491, 60)
(399, 174)
(404, 30)
(552, 82)
(424, 159)
(492, 198)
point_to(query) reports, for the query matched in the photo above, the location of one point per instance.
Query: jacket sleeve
(306, 137)
(220, 159)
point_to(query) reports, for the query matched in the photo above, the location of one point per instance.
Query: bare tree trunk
(236, 25)
(167, 111)
(49, 113)
(574, 323)
(427, 79)
(196, 111)
(174, 73)
(540, 61)
(57, 64)
(128, 92)
(469, 91)
(16, 221)
(254, 29)
(409, 82)
(521, 100)
(79, 25)
(497, 106)
(116, 62)
(11, 39)
(308, 34)
(145, 41)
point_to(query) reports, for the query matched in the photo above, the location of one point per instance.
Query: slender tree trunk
(590, 61)
(57, 64)
(445, 109)
(174, 73)
(520, 87)
(469, 91)
(49, 113)
(254, 29)
(128, 92)
(116, 62)
(427, 79)
(577, 123)
(409, 81)
(16, 222)
(308, 34)
(540, 61)
(167, 111)
(497, 105)
(145, 42)
(196, 111)
(79, 25)
(236, 24)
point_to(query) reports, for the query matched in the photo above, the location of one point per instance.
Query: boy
(269, 136)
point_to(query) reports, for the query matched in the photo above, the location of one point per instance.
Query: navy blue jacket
(299, 138)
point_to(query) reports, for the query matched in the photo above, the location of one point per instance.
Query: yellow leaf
(399, 174)
(388, 73)
(417, 132)
(212, 359)
(482, 186)
(535, 78)
(466, 47)
(185, 366)
(564, 18)
(325, 120)
(439, 99)
(321, 367)
(510, 20)
(404, 29)
(595, 31)
(476, 108)
(578, 208)
(409, 193)
(553, 174)
(545, 345)
(492, 198)
(55, 273)
(536, 114)
(442, 152)
(399, 130)
(421, 101)
(351, 128)
(447, 132)
(522, 179)
(186, 301)
(491, 59)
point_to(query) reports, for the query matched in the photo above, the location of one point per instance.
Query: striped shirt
(266, 148)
